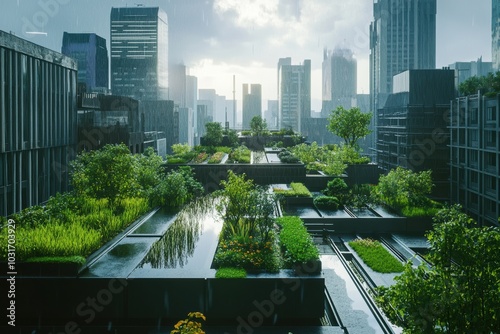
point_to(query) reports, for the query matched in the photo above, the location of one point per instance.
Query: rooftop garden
(111, 189)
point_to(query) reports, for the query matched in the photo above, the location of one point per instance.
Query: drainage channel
(375, 318)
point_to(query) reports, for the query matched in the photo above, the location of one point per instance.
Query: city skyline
(218, 39)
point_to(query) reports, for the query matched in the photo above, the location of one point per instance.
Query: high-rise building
(495, 34)
(412, 126)
(294, 93)
(91, 54)
(475, 157)
(192, 103)
(37, 123)
(139, 53)
(339, 80)
(402, 37)
(252, 103)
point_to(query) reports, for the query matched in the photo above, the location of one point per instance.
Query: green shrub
(419, 212)
(296, 243)
(224, 149)
(177, 160)
(246, 133)
(326, 202)
(288, 157)
(298, 190)
(231, 273)
(376, 256)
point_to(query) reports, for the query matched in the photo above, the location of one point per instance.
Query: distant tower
(252, 103)
(294, 93)
(139, 53)
(91, 54)
(495, 34)
(402, 37)
(339, 80)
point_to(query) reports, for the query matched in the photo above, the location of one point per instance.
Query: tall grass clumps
(55, 239)
(376, 256)
(295, 241)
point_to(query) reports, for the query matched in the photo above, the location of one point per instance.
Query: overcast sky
(219, 38)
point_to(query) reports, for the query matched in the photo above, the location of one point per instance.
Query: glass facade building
(495, 34)
(294, 93)
(402, 37)
(252, 103)
(37, 122)
(91, 53)
(139, 53)
(339, 80)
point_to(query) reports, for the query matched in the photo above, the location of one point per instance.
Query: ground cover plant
(240, 154)
(376, 256)
(296, 243)
(216, 157)
(297, 190)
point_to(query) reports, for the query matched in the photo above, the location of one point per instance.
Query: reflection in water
(178, 243)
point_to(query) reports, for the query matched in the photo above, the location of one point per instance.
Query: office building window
(490, 138)
(491, 114)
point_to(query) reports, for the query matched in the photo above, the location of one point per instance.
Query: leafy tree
(349, 124)
(214, 134)
(402, 187)
(247, 210)
(258, 125)
(460, 293)
(488, 85)
(232, 137)
(106, 173)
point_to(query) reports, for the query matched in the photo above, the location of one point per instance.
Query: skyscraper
(139, 53)
(402, 37)
(339, 80)
(495, 34)
(294, 93)
(252, 103)
(91, 54)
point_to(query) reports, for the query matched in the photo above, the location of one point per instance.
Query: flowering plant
(190, 325)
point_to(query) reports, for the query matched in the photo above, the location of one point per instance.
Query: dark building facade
(412, 126)
(160, 121)
(475, 157)
(139, 53)
(91, 54)
(252, 103)
(37, 122)
(108, 119)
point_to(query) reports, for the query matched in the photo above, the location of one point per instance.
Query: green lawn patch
(296, 243)
(231, 273)
(376, 256)
(298, 190)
